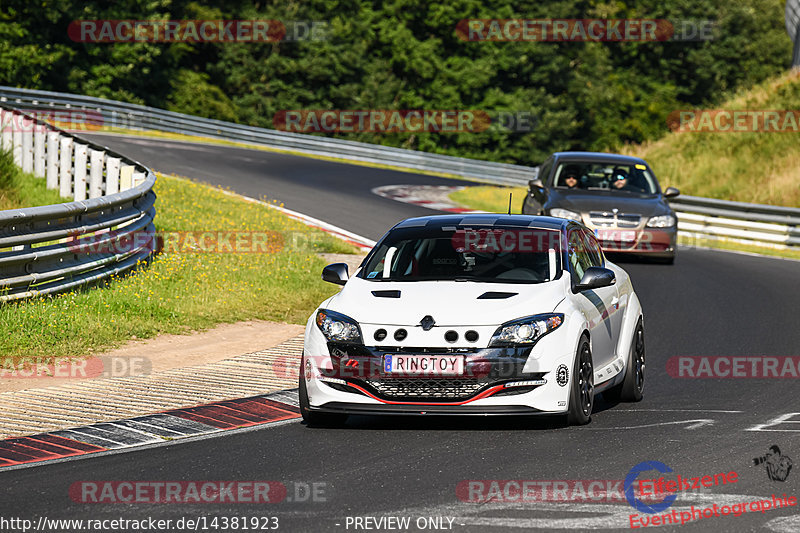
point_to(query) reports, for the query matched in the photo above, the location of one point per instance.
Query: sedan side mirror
(671, 192)
(537, 183)
(596, 278)
(336, 273)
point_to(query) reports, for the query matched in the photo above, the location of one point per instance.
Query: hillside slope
(759, 167)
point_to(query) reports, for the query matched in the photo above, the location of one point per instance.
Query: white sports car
(475, 314)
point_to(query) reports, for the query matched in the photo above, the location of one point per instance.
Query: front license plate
(424, 365)
(616, 236)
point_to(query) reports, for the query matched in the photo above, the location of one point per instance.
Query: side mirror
(335, 273)
(596, 278)
(671, 192)
(537, 183)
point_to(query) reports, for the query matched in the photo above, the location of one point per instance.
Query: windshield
(634, 178)
(500, 255)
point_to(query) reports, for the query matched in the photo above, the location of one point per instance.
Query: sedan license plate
(424, 365)
(605, 235)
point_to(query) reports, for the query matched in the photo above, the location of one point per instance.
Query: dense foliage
(405, 54)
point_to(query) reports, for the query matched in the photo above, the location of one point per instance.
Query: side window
(578, 257)
(544, 171)
(593, 249)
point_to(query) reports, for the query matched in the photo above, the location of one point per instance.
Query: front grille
(620, 220)
(428, 389)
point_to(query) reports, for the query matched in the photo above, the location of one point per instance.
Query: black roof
(598, 157)
(484, 219)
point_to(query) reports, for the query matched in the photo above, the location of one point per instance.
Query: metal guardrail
(53, 248)
(137, 117)
(755, 224)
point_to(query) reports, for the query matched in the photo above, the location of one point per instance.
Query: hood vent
(386, 294)
(496, 295)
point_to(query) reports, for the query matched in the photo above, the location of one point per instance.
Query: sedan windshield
(634, 178)
(500, 255)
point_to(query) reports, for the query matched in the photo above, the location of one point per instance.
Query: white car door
(597, 304)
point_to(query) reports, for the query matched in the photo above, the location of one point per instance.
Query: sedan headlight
(338, 327)
(663, 221)
(526, 331)
(565, 213)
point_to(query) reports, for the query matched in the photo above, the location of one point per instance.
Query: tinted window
(501, 255)
(633, 179)
(579, 258)
(593, 250)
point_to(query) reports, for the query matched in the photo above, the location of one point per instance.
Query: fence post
(65, 178)
(16, 134)
(38, 151)
(112, 175)
(97, 158)
(52, 159)
(7, 124)
(27, 144)
(80, 172)
(126, 177)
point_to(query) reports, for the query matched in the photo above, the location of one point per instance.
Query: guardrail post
(112, 175)
(80, 172)
(16, 138)
(52, 159)
(6, 123)
(27, 144)
(38, 151)
(65, 177)
(126, 177)
(96, 161)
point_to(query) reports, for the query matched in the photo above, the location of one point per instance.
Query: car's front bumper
(490, 384)
(655, 242)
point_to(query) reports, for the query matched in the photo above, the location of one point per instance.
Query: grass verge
(490, 198)
(181, 292)
(20, 189)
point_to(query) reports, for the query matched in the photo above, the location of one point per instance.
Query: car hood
(585, 201)
(450, 303)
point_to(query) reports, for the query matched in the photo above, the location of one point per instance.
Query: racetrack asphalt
(707, 304)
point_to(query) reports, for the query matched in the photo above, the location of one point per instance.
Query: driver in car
(571, 177)
(620, 180)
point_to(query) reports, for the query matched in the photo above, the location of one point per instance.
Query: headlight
(663, 221)
(526, 331)
(338, 327)
(565, 213)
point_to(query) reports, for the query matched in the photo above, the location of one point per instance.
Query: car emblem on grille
(427, 322)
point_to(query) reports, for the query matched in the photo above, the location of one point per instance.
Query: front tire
(632, 387)
(312, 418)
(581, 396)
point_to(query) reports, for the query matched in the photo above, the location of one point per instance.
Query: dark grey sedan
(616, 196)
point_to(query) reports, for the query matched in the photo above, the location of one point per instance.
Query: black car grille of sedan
(427, 389)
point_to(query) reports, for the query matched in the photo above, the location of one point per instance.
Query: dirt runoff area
(166, 352)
